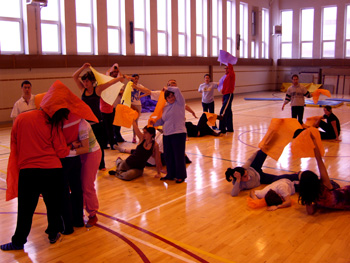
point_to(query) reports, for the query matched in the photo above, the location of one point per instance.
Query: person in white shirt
(207, 90)
(26, 102)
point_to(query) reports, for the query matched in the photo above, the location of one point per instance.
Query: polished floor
(148, 220)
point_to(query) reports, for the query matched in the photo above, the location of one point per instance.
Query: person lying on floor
(132, 167)
(202, 128)
(277, 195)
(250, 175)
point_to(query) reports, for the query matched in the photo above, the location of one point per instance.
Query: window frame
(21, 24)
(323, 42)
(59, 31)
(92, 30)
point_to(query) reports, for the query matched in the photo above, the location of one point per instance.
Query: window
(231, 26)
(51, 28)
(11, 27)
(286, 38)
(184, 28)
(216, 27)
(164, 27)
(142, 27)
(265, 34)
(243, 30)
(201, 28)
(114, 26)
(347, 32)
(85, 27)
(329, 21)
(307, 32)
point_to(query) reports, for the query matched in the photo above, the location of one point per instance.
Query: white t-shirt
(283, 187)
(21, 106)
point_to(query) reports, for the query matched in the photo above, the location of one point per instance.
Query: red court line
(136, 248)
(156, 236)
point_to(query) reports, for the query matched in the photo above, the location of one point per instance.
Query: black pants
(298, 113)
(108, 119)
(328, 133)
(98, 130)
(208, 107)
(33, 182)
(72, 199)
(266, 178)
(226, 124)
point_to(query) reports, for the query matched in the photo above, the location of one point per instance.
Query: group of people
(313, 192)
(65, 151)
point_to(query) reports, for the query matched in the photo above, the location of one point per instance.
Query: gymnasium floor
(148, 220)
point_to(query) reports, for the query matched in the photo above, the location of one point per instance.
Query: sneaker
(11, 246)
(179, 181)
(54, 239)
(91, 222)
(133, 140)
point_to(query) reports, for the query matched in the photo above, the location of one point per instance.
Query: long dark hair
(58, 117)
(229, 173)
(309, 188)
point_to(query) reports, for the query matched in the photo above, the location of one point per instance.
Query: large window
(201, 28)
(216, 27)
(164, 27)
(329, 26)
(243, 30)
(114, 26)
(51, 28)
(11, 27)
(231, 26)
(306, 32)
(347, 32)
(142, 27)
(184, 28)
(265, 35)
(287, 30)
(85, 26)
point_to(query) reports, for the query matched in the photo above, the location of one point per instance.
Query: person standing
(37, 144)
(227, 87)
(91, 96)
(137, 88)
(174, 133)
(26, 102)
(207, 90)
(295, 95)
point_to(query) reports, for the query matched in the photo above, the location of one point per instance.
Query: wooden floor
(148, 220)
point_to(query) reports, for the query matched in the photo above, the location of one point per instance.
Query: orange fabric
(211, 118)
(279, 134)
(124, 116)
(256, 203)
(303, 146)
(158, 111)
(38, 98)
(59, 96)
(33, 145)
(12, 174)
(311, 121)
(316, 94)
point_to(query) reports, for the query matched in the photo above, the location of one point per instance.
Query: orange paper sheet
(211, 118)
(124, 116)
(38, 98)
(316, 94)
(279, 134)
(303, 146)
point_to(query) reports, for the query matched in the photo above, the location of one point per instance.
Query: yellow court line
(184, 245)
(5, 146)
